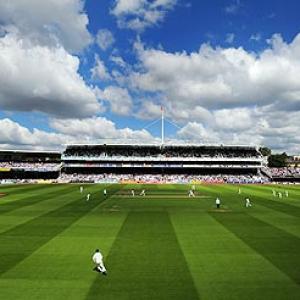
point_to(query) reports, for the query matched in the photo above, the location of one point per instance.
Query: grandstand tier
(143, 163)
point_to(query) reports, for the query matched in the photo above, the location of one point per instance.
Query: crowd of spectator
(31, 165)
(158, 178)
(159, 151)
(285, 172)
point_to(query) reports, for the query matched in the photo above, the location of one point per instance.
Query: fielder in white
(218, 202)
(132, 193)
(81, 189)
(105, 192)
(286, 193)
(88, 196)
(191, 193)
(143, 193)
(98, 260)
(239, 191)
(248, 202)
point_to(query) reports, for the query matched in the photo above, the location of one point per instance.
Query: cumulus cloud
(39, 78)
(105, 39)
(48, 22)
(88, 130)
(230, 90)
(119, 99)
(99, 129)
(99, 71)
(223, 77)
(16, 136)
(140, 14)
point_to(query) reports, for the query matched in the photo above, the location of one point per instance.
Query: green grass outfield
(162, 246)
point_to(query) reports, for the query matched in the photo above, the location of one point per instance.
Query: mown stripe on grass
(45, 194)
(21, 241)
(278, 246)
(286, 208)
(145, 262)
(16, 189)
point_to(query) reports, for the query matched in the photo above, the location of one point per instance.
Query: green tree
(265, 151)
(278, 160)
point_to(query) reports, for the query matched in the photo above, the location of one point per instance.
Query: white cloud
(233, 8)
(48, 22)
(194, 131)
(105, 39)
(39, 78)
(140, 14)
(98, 129)
(233, 92)
(255, 37)
(230, 38)
(119, 99)
(99, 71)
(16, 136)
(89, 130)
(223, 77)
(118, 60)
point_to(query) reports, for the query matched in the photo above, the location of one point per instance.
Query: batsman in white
(98, 260)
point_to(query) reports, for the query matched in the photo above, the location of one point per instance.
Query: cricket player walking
(98, 260)
(81, 189)
(218, 202)
(88, 196)
(105, 192)
(191, 193)
(248, 203)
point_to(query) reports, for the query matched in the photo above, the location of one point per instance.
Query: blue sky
(99, 71)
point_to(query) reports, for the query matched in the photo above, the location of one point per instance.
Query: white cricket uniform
(88, 197)
(81, 189)
(143, 193)
(98, 260)
(240, 191)
(132, 193)
(218, 202)
(286, 193)
(280, 195)
(104, 192)
(191, 193)
(248, 203)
